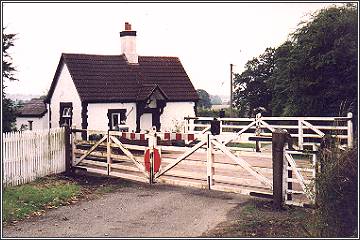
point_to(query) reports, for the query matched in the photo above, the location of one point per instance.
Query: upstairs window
(30, 125)
(66, 109)
(117, 117)
(66, 112)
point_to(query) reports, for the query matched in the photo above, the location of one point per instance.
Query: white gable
(65, 91)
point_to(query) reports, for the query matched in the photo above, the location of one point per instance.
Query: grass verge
(256, 218)
(33, 199)
(245, 145)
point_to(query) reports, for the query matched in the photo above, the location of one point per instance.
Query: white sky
(207, 37)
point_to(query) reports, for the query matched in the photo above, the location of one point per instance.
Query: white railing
(31, 154)
(304, 129)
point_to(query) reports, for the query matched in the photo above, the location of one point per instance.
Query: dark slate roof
(33, 108)
(110, 78)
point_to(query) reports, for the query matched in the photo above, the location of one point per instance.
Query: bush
(203, 112)
(336, 199)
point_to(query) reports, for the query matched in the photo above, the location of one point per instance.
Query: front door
(156, 119)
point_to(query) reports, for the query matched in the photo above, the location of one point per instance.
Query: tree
(321, 64)
(8, 67)
(204, 101)
(252, 87)
(9, 108)
(215, 100)
(314, 73)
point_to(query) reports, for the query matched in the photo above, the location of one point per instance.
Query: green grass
(256, 218)
(24, 200)
(245, 145)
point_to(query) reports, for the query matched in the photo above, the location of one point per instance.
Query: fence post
(300, 135)
(108, 153)
(350, 130)
(210, 161)
(278, 143)
(152, 143)
(73, 145)
(257, 131)
(68, 149)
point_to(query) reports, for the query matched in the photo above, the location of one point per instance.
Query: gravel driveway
(136, 210)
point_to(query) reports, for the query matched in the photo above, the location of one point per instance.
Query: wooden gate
(108, 155)
(199, 159)
(300, 168)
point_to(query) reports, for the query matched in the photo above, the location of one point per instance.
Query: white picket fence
(28, 155)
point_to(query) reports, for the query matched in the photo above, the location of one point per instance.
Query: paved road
(136, 210)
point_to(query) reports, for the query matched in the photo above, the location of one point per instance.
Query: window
(65, 113)
(116, 117)
(30, 125)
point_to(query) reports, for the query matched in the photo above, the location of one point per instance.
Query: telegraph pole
(231, 88)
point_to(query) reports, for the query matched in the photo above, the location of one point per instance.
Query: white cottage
(32, 115)
(102, 92)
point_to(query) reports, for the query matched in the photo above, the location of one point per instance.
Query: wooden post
(210, 162)
(231, 89)
(300, 135)
(152, 143)
(350, 130)
(73, 145)
(221, 126)
(278, 143)
(258, 132)
(67, 150)
(108, 153)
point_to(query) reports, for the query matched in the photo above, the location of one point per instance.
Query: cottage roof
(33, 108)
(110, 78)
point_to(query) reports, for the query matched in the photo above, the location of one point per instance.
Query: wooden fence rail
(304, 129)
(31, 154)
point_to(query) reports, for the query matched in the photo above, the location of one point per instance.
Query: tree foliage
(252, 88)
(204, 101)
(9, 108)
(215, 100)
(7, 64)
(313, 73)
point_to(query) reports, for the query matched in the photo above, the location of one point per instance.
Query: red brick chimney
(127, 26)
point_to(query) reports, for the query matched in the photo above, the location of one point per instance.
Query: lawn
(33, 198)
(245, 144)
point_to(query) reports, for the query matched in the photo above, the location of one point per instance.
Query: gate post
(152, 143)
(210, 162)
(278, 143)
(68, 148)
(350, 131)
(108, 153)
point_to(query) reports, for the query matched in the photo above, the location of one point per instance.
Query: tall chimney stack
(128, 44)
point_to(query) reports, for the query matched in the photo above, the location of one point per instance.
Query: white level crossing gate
(199, 159)
(206, 163)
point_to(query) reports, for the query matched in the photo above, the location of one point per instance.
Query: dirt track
(135, 210)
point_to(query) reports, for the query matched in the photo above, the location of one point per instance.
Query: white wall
(98, 119)
(65, 91)
(146, 122)
(128, 47)
(174, 113)
(38, 123)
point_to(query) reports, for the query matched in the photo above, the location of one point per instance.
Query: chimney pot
(127, 26)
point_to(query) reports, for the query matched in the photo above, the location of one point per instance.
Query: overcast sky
(207, 37)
